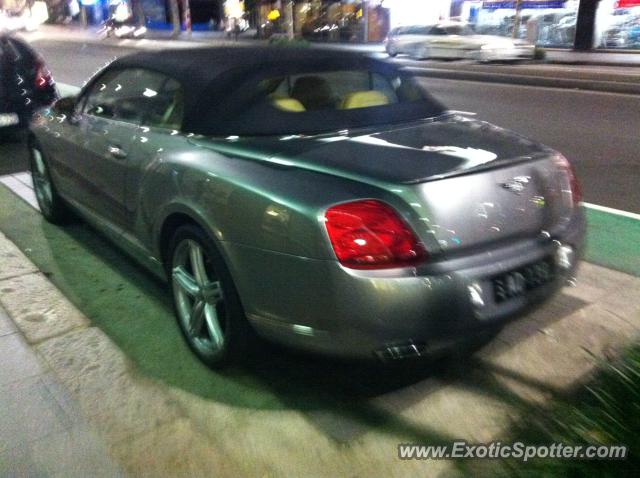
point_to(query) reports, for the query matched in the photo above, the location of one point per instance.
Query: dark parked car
(321, 199)
(25, 83)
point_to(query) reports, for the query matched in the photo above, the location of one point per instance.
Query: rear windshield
(329, 100)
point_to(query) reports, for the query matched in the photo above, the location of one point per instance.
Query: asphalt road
(598, 132)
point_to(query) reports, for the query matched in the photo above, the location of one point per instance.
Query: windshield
(317, 101)
(451, 30)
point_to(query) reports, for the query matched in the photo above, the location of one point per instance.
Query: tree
(174, 13)
(138, 12)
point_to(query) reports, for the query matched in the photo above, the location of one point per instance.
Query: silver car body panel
(483, 201)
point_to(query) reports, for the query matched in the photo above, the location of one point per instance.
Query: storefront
(615, 24)
(316, 20)
(547, 23)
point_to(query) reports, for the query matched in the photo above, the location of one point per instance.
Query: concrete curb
(628, 88)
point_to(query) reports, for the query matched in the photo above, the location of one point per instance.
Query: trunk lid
(509, 203)
(470, 181)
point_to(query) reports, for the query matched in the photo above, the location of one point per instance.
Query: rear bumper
(322, 307)
(505, 54)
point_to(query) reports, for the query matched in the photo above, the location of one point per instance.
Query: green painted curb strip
(613, 241)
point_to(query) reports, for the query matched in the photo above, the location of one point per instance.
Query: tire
(392, 52)
(201, 284)
(52, 206)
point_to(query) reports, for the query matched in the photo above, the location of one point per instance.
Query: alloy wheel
(199, 298)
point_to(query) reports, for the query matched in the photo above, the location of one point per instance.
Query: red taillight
(576, 191)
(370, 234)
(43, 75)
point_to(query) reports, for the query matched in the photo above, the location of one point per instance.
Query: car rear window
(314, 101)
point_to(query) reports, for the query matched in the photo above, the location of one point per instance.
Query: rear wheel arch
(230, 320)
(171, 223)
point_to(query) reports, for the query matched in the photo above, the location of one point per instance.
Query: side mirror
(66, 105)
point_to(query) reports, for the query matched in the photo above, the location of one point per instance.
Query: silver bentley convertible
(322, 200)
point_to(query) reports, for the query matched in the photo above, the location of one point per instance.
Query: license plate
(518, 282)
(9, 119)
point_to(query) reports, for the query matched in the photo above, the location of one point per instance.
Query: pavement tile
(38, 308)
(17, 360)
(28, 412)
(175, 449)
(98, 375)
(6, 324)
(625, 303)
(456, 409)
(63, 398)
(16, 462)
(252, 441)
(87, 355)
(78, 452)
(595, 282)
(75, 453)
(130, 406)
(562, 354)
(14, 263)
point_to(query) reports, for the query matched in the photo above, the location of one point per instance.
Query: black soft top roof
(188, 64)
(211, 76)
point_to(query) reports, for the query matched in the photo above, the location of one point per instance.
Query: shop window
(618, 24)
(546, 23)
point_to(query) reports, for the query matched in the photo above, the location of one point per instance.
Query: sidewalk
(596, 58)
(42, 432)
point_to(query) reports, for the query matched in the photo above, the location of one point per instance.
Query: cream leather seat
(288, 104)
(364, 99)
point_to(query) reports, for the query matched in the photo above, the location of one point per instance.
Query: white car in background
(25, 19)
(455, 41)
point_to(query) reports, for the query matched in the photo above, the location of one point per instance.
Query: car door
(441, 44)
(162, 114)
(108, 125)
(411, 38)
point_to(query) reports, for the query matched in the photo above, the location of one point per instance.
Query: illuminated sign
(495, 4)
(234, 8)
(627, 3)
(273, 15)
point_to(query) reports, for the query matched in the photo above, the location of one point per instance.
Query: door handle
(117, 152)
